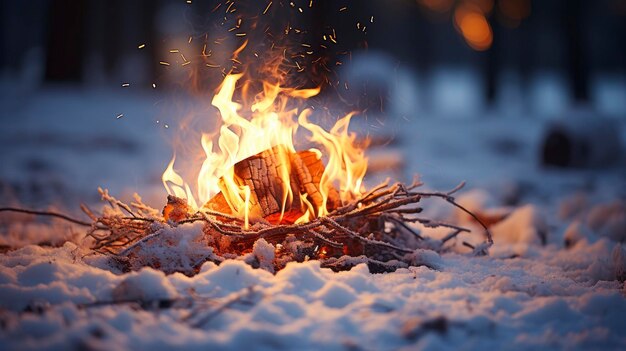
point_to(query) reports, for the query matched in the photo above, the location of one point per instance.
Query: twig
(45, 213)
(403, 225)
(451, 235)
(447, 196)
(361, 238)
(238, 298)
(140, 242)
(115, 202)
(365, 220)
(456, 188)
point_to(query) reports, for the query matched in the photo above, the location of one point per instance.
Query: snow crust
(55, 298)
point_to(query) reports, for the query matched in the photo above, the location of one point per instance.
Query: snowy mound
(58, 298)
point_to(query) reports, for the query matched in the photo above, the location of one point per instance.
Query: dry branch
(45, 213)
(374, 227)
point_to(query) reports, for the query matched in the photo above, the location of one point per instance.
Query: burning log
(269, 177)
(309, 169)
(271, 196)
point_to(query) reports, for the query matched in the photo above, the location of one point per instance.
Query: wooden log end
(262, 174)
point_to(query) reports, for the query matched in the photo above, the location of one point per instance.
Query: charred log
(271, 196)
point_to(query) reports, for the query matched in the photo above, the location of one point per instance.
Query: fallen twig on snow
(45, 213)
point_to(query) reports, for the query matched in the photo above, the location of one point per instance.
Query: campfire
(273, 187)
(262, 199)
(254, 171)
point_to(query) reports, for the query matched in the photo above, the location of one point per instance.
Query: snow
(524, 225)
(57, 294)
(184, 247)
(264, 253)
(561, 299)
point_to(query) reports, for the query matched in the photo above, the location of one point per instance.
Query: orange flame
(272, 123)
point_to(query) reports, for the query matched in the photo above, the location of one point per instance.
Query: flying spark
(267, 8)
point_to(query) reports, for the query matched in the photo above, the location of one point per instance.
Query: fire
(272, 123)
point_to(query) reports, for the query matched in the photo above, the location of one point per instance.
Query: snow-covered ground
(553, 280)
(551, 298)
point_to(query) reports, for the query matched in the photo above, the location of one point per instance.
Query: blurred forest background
(529, 56)
(450, 89)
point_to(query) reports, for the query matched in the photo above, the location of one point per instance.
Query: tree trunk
(65, 50)
(578, 68)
